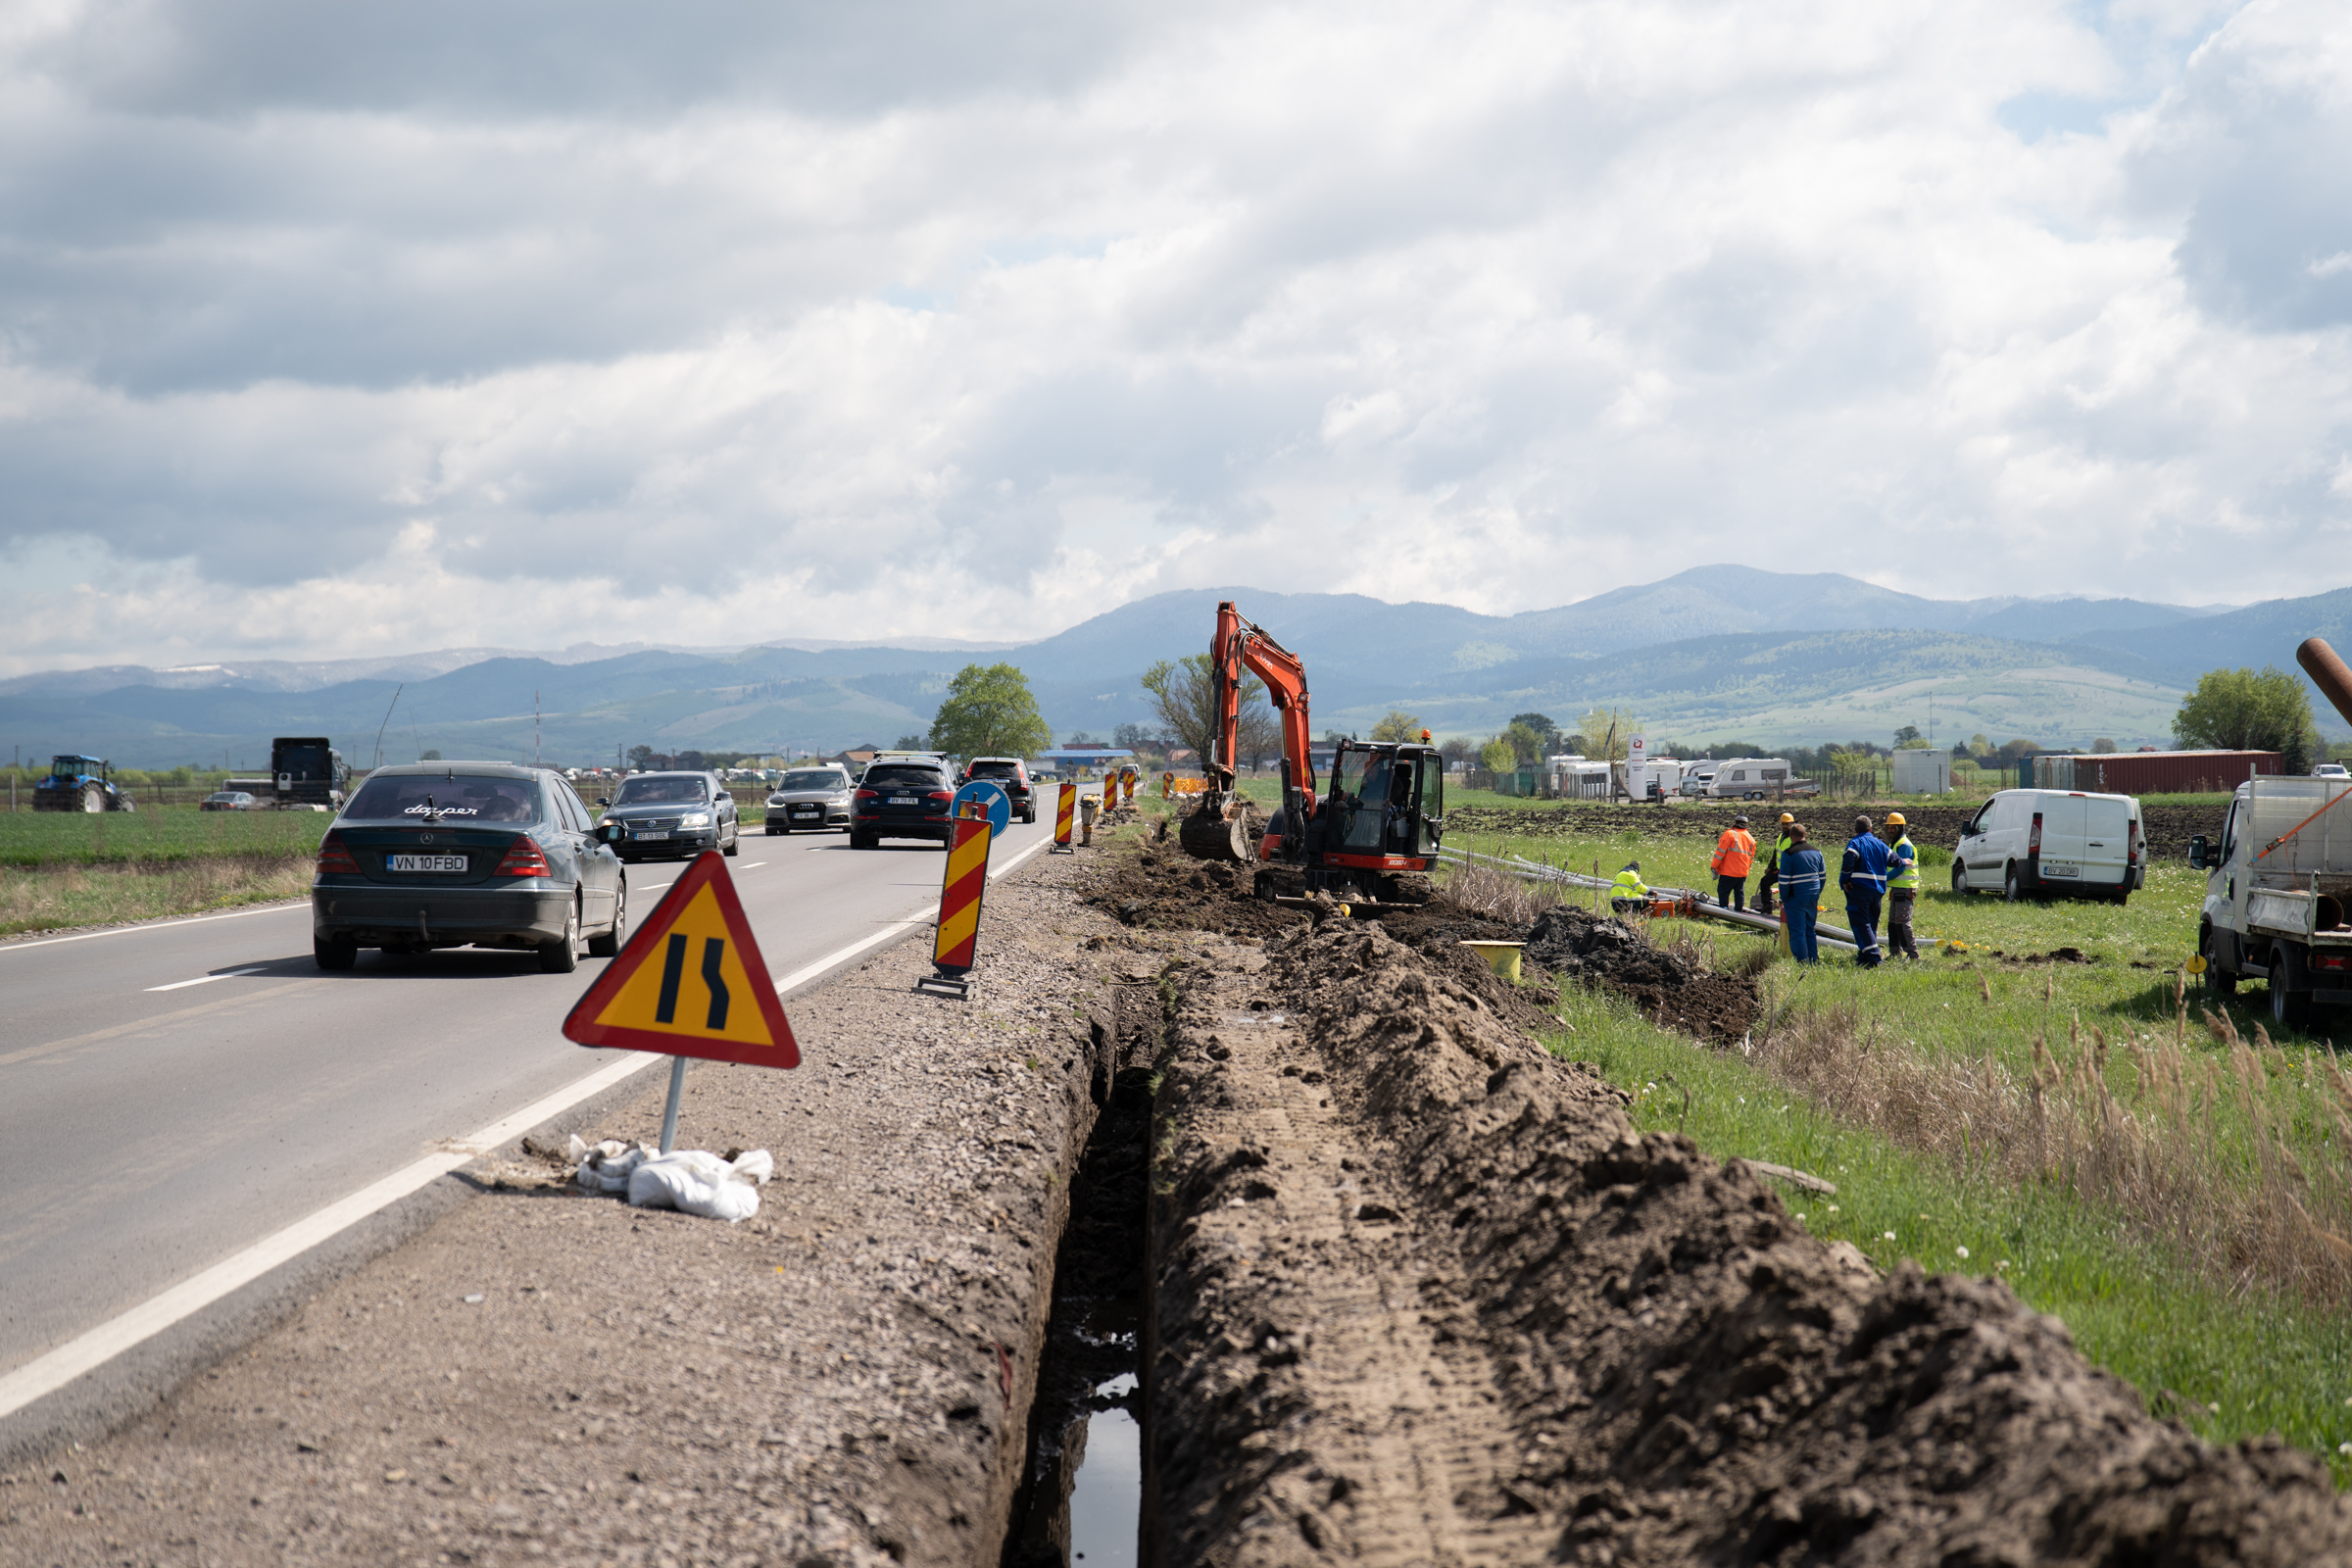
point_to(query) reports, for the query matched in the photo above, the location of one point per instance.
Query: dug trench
(1418, 1292)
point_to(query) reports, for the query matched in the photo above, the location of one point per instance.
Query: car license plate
(658, 833)
(427, 862)
(804, 811)
(901, 800)
(2060, 868)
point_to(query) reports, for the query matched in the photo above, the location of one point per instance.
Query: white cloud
(347, 336)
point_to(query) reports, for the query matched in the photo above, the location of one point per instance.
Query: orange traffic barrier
(961, 891)
(1065, 820)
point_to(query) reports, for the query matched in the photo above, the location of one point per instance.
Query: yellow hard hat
(1787, 818)
(1896, 819)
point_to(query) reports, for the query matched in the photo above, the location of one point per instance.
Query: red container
(2171, 772)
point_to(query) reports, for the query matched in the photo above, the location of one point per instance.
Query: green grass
(151, 837)
(2269, 1363)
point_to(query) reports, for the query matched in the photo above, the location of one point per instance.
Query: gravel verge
(544, 1375)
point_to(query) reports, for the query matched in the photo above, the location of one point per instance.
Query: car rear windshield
(996, 769)
(814, 779)
(413, 797)
(904, 774)
(655, 789)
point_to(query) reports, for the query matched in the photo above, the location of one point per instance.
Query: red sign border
(709, 870)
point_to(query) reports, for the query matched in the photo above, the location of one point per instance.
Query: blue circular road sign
(992, 801)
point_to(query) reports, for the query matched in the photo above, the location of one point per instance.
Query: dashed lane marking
(207, 979)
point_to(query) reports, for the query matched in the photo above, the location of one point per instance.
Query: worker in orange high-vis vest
(1735, 858)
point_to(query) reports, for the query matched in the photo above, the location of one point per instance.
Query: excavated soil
(1672, 989)
(1421, 1294)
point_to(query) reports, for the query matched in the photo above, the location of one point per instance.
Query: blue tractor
(80, 784)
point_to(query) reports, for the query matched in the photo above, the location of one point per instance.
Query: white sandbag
(694, 1182)
(605, 1168)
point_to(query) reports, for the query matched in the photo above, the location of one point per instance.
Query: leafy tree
(1184, 697)
(1082, 738)
(1606, 732)
(1526, 744)
(2243, 711)
(641, 757)
(1908, 738)
(1400, 725)
(1458, 749)
(1546, 733)
(1136, 738)
(2101, 747)
(433, 756)
(1497, 756)
(989, 710)
(2021, 747)
(913, 743)
(1980, 744)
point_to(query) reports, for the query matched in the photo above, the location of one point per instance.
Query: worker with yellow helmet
(1772, 866)
(1902, 886)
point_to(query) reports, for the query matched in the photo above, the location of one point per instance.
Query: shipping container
(2168, 772)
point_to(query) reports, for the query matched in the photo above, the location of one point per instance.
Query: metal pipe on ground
(1701, 905)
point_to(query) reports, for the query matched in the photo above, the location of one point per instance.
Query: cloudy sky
(343, 329)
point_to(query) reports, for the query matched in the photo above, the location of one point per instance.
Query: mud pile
(1421, 1292)
(1163, 889)
(1668, 987)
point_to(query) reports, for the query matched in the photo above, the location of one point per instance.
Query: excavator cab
(1385, 801)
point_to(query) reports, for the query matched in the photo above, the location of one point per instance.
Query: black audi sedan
(450, 855)
(663, 816)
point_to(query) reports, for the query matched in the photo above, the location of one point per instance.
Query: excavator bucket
(1209, 834)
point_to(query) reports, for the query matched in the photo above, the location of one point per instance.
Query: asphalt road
(173, 1092)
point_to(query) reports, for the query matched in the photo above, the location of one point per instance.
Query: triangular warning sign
(691, 982)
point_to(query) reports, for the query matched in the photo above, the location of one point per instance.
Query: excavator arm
(1214, 832)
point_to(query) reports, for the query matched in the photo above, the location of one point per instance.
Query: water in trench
(1081, 1493)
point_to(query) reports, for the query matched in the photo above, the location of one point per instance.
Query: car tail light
(2339, 962)
(938, 795)
(335, 856)
(2034, 843)
(523, 857)
(870, 795)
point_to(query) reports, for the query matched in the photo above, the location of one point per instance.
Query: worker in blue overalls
(1863, 876)
(1803, 873)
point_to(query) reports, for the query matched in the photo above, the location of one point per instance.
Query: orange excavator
(1371, 838)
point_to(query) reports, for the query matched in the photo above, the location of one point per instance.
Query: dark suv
(666, 814)
(1010, 774)
(901, 798)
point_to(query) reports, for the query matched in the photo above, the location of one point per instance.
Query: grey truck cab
(2276, 891)
(2036, 842)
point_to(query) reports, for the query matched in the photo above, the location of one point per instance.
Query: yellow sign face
(693, 984)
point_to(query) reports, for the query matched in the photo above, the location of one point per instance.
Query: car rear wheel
(862, 840)
(2291, 1007)
(608, 946)
(734, 844)
(1960, 880)
(2013, 886)
(334, 952)
(563, 955)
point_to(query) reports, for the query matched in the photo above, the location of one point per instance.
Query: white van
(1749, 778)
(2037, 842)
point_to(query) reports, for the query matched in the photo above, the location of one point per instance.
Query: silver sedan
(816, 798)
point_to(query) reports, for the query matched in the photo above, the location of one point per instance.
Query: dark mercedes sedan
(667, 814)
(448, 855)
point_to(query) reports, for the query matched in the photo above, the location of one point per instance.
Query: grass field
(170, 836)
(2175, 1187)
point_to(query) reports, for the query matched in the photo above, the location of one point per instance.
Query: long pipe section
(2328, 673)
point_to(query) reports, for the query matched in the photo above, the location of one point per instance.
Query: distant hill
(1710, 654)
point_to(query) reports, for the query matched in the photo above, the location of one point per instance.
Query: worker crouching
(1801, 873)
(1902, 886)
(1863, 877)
(1628, 894)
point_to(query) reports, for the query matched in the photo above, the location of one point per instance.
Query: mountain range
(1714, 653)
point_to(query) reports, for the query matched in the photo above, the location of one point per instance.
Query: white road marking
(158, 925)
(207, 979)
(45, 1374)
(754, 866)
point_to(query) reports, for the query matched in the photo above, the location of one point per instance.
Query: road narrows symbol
(714, 951)
(673, 969)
